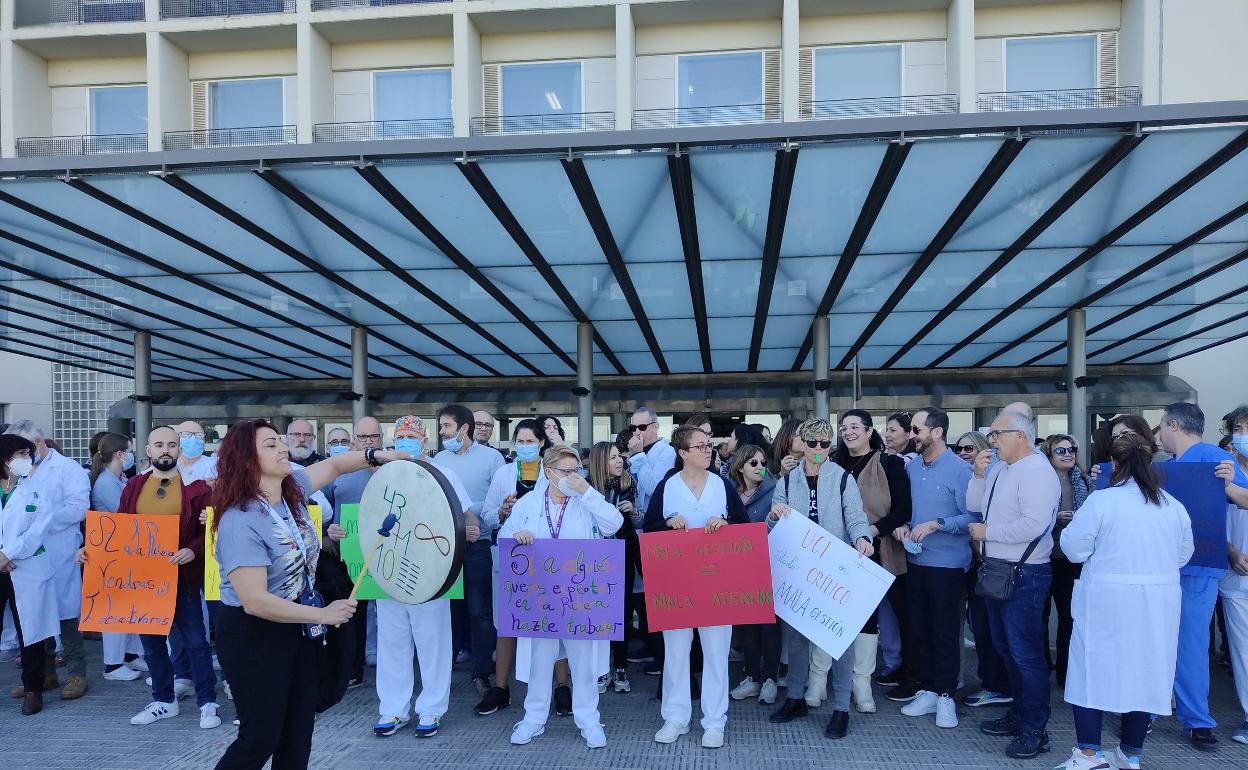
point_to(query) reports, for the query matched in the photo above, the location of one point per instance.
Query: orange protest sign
(129, 585)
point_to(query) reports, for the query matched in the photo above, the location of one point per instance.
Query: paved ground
(95, 732)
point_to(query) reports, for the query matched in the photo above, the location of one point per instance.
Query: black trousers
(633, 602)
(272, 671)
(760, 645)
(1064, 576)
(34, 663)
(937, 597)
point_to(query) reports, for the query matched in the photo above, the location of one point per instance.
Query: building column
(790, 42)
(142, 392)
(625, 59)
(1139, 48)
(359, 373)
(585, 385)
(168, 89)
(821, 337)
(1076, 369)
(314, 81)
(466, 73)
(960, 54)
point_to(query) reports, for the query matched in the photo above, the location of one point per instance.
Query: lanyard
(555, 529)
(292, 528)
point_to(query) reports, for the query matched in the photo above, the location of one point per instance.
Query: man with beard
(301, 439)
(164, 492)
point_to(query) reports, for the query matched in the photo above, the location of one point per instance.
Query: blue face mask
(453, 444)
(412, 446)
(1240, 444)
(192, 447)
(127, 463)
(334, 451)
(527, 453)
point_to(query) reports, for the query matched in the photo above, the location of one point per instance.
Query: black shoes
(1006, 725)
(838, 725)
(497, 698)
(563, 700)
(903, 693)
(792, 709)
(1027, 745)
(1201, 738)
(890, 678)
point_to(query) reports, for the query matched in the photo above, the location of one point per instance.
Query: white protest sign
(822, 587)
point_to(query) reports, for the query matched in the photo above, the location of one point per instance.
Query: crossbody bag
(996, 577)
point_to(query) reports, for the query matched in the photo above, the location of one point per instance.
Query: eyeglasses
(369, 437)
(340, 442)
(643, 426)
(818, 444)
(489, 425)
(566, 471)
(993, 435)
(703, 447)
(190, 434)
(963, 449)
(1062, 451)
(301, 435)
(1121, 432)
(160, 491)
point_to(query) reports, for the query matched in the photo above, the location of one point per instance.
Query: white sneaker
(1080, 761)
(228, 692)
(604, 682)
(713, 738)
(769, 692)
(1124, 762)
(924, 703)
(946, 712)
(669, 732)
(154, 712)
(208, 718)
(122, 674)
(524, 733)
(595, 737)
(182, 687)
(138, 664)
(747, 689)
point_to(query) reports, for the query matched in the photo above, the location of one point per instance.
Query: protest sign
(561, 589)
(410, 519)
(823, 588)
(694, 579)
(354, 558)
(129, 585)
(1203, 495)
(212, 569)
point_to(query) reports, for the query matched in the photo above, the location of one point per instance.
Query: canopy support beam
(142, 391)
(821, 332)
(359, 373)
(585, 384)
(1076, 373)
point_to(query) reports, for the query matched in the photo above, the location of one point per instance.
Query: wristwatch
(940, 523)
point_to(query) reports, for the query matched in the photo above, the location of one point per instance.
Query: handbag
(995, 579)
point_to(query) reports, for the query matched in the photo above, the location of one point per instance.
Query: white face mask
(20, 467)
(566, 488)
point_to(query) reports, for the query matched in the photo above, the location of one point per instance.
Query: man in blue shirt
(1180, 433)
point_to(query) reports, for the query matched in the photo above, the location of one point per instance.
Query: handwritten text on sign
(561, 589)
(824, 589)
(694, 579)
(129, 585)
(351, 554)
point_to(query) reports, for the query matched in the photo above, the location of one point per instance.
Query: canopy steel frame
(777, 216)
(681, 174)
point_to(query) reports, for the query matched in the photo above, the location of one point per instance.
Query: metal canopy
(931, 241)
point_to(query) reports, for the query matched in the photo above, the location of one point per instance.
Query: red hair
(238, 473)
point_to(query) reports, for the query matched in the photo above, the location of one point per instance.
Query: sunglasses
(753, 463)
(1062, 451)
(639, 428)
(915, 430)
(819, 444)
(965, 448)
(160, 491)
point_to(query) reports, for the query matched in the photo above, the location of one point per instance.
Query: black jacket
(654, 514)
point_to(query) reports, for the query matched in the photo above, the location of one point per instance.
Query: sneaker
(208, 718)
(639, 657)
(653, 668)
(1006, 725)
(987, 698)
(903, 693)
(182, 687)
(713, 738)
(892, 678)
(354, 682)
(1080, 761)
(463, 656)
(946, 712)
(604, 682)
(669, 732)
(427, 725)
(122, 674)
(387, 726)
(155, 712)
(1201, 738)
(482, 683)
(1027, 745)
(621, 681)
(497, 698)
(924, 702)
(747, 689)
(138, 664)
(1241, 735)
(595, 737)
(524, 733)
(1125, 762)
(563, 700)
(769, 692)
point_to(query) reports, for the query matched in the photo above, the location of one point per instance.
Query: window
(541, 97)
(246, 103)
(724, 87)
(412, 95)
(1050, 63)
(868, 74)
(120, 110)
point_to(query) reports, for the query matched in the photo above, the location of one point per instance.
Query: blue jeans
(479, 596)
(188, 625)
(1131, 733)
(1191, 676)
(1020, 638)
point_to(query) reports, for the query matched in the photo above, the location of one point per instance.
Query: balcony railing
(373, 130)
(325, 5)
(182, 9)
(879, 106)
(1071, 99)
(543, 124)
(98, 144)
(722, 115)
(229, 137)
(30, 13)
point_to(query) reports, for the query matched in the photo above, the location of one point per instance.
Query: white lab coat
(22, 534)
(1127, 601)
(65, 492)
(583, 515)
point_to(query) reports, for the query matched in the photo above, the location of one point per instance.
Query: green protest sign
(351, 554)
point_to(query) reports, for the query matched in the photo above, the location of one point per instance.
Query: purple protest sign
(561, 589)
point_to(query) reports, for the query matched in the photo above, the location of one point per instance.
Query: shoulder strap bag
(996, 577)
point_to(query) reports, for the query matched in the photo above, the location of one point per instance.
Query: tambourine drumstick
(387, 524)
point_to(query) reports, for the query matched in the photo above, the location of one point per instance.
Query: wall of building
(26, 394)
(1219, 387)
(1204, 50)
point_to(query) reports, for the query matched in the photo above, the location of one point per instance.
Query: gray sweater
(1025, 498)
(844, 518)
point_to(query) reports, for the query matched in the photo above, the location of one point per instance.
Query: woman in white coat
(1132, 538)
(26, 584)
(567, 508)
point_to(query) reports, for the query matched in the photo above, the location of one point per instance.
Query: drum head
(420, 558)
